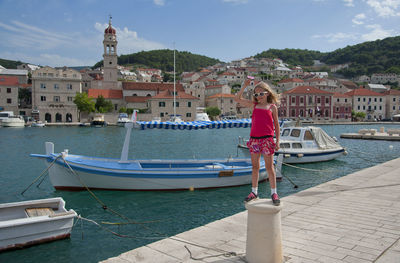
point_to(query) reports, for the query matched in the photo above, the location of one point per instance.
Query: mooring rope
(306, 169)
(43, 173)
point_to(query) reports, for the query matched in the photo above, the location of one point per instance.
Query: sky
(70, 33)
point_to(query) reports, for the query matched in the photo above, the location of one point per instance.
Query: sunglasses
(261, 94)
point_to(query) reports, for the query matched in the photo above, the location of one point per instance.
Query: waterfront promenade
(355, 218)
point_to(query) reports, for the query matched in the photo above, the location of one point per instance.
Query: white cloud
(336, 37)
(45, 59)
(159, 2)
(358, 19)
(129, 41)
(376, 33)
(385, 8)
(236, 1)
(348, 3)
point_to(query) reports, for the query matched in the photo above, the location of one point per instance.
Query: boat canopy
(323, 140)
(194, 125)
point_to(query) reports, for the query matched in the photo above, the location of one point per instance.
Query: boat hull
(180, 175)
(311, 156)
(19, 230)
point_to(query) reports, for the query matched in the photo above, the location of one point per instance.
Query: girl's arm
(238, 98)
(276, 124)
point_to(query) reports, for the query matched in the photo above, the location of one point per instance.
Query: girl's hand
(277, 146)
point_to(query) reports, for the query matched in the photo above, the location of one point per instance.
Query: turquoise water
(166, 213)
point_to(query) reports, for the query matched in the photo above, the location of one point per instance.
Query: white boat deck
(355, 218)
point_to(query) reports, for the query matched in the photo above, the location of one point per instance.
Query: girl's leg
(255, 162)
(269, 166)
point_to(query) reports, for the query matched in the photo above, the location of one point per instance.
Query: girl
(264, 125)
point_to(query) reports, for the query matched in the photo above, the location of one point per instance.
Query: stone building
(373, 104)
(9, 93)
(53, 93)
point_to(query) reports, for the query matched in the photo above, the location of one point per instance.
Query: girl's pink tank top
(262, 123)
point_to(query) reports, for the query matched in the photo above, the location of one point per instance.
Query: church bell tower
(110, 58)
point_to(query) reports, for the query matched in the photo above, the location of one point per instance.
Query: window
(64, 75)
(161, 104)
(42, 85)
(70, 99)
(380, 99)
(364, 99)
(296, 145)
(295, 133)
(176, 104)
(285, 132)
(285, 145)
(345, 100)
(394, 107)
(188, 114)
(358, 107)
(380, 107)
(115, 106)
(9, 101)
(326, 100)
(337, 109)
(56, 86)
(161, 114)
(189, 104)
(375, 99)
(359, 99)
(293, 100)
(57, 98)
(337, 100)
(363, 107)
(318, 100)
(301, 100)
(8, 90)
(375, 107)
(69, 86)
(42, 98)
(394, 99)
(310, 100)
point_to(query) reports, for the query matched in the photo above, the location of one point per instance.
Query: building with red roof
(225, 102)
(342, 106)
(9, 86)
(373, 104)
(162, 105)
(306, 102)
(392, 103)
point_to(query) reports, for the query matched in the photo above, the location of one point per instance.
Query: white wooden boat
(305, 145)
(13, 121)
(98, 121)
(33, 222)
(77, 172)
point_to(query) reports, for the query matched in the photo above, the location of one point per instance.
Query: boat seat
(39, 211)
(393, 131)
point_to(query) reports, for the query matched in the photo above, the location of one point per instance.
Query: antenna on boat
(125, 148)
(174, 87)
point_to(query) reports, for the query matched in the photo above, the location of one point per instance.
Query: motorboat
(38, 124)
(201, 115)
(33, 222)
(98, 121)
(122, 119)
(13, 121)
(76, 172)
(305, 145)
(175, 118)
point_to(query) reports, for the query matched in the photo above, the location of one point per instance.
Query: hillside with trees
(164, 60)
(379, 56)
(10, 64)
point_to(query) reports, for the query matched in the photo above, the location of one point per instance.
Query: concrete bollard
(264, 236)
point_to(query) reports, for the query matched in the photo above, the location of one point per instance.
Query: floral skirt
(264, 146)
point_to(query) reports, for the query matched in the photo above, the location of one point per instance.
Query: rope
(306, 169)
(43, 173)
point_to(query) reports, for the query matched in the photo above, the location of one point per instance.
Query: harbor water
(153, 215)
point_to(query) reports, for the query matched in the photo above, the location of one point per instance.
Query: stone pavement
(355, 218)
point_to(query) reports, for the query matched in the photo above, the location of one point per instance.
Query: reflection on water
(169, 212)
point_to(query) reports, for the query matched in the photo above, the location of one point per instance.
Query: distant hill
(164, 60)
(10, 64)
(379, 56)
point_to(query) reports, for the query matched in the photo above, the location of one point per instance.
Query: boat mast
(125, 148)
(174, 87)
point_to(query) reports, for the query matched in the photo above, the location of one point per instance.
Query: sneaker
(250, 197)
(275, 199)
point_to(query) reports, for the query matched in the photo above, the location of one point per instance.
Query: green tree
(213, 112)
(84, 103)
(102, 105)
(122, 110)
(360, 115)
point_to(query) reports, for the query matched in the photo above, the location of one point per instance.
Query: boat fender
(287, 155)
(345, 152)
(191, 188)
(299, 155)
